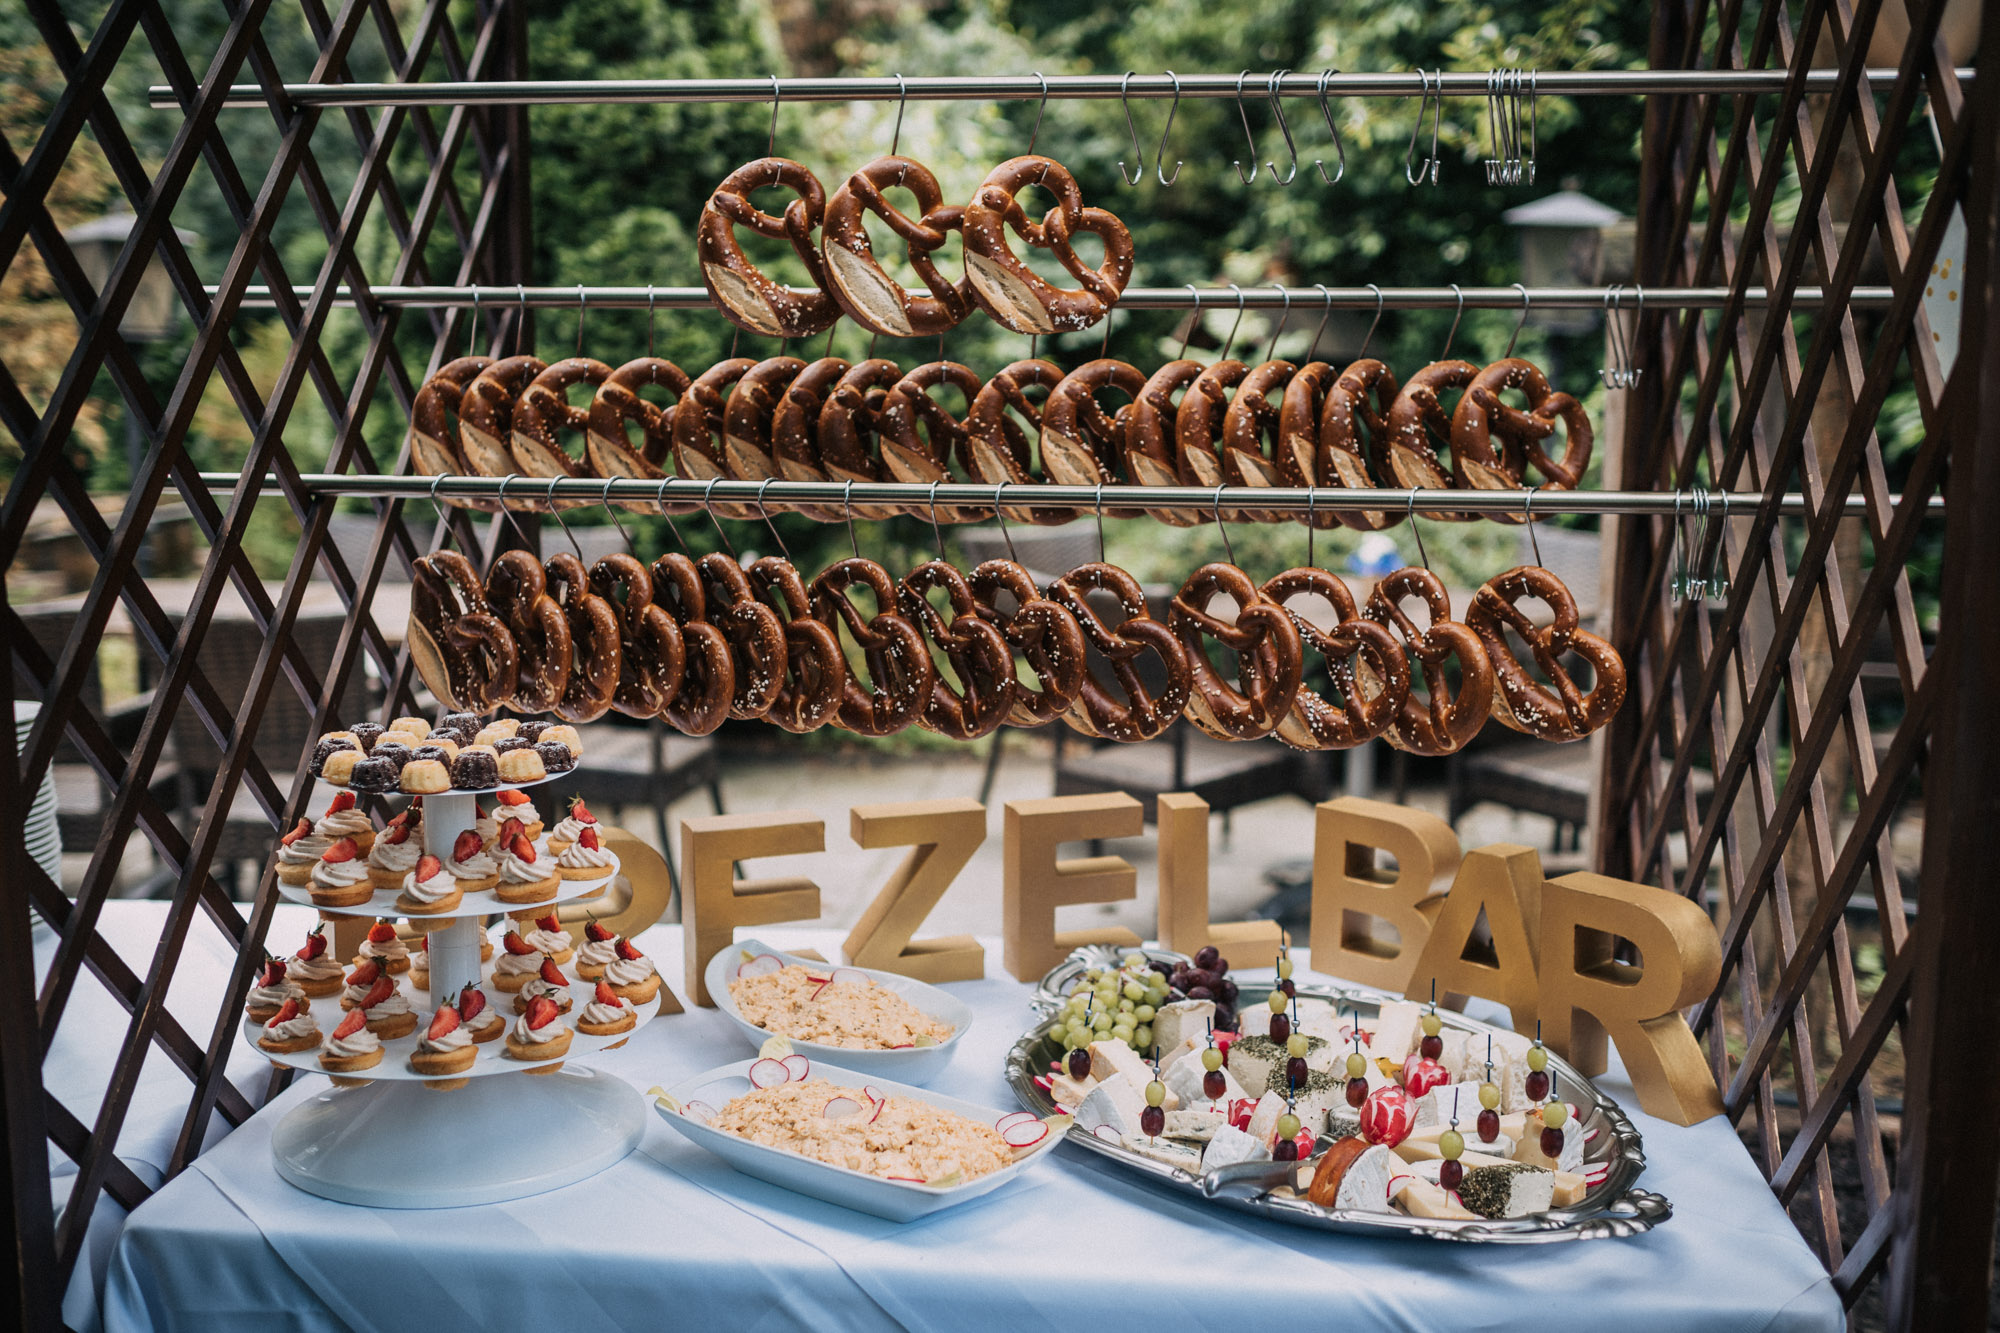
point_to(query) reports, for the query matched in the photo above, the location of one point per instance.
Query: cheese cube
(1325, 1090)
(1169, 1057)
(1426, 1198)
(1570, 1158)
(1456, 1057)
(1114, 1059)
(1332, 1026)
(1181, 1156)
(1232, 1145)
(1510, 1070)
(1263, 1125)
(1397, 1028)
(1068, 1091)
(1181, 1021)
(1199, 1124)
(1259, 1062)
(1366, 1185)
(1184, 1078)
(1439, 1105)
(1512, 1189)
(1114, 1103)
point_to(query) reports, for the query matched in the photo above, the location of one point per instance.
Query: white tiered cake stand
(393, 1142)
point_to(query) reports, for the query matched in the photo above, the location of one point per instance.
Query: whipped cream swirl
(548, 941)
(396, 856)
(337, 824)
(455, 1040)
(598, 953)
(549, 1031)
(599, 1012)
(292, 1028)
(339, 874)
(430, 890)
(517, 962)
(274, 997)
(628, 971)
(359, 1042)
(476, 866)
(577, 856)
(303, 851)
(514, 870)
(312, 969)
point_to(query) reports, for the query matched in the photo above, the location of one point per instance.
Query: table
(671, 1237)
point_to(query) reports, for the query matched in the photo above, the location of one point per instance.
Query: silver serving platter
(1616, 1207)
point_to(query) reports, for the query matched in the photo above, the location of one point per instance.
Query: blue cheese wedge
(1182, 1156)
(1232, 1145)
(1197, 1125)
(1259, 1062)
(1182, 1021)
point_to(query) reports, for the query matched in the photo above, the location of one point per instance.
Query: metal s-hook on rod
(1160, 153)
(1138, 149)
(1278, 110)
(1252, 138)
(1333, 131)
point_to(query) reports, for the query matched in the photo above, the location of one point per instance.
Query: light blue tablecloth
(673, 1238)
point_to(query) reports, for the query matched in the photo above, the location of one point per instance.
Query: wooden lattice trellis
(1764, 700)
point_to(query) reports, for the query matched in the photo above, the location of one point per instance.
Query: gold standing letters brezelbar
(1350, 895)
(715, 902)
(942, 836)
(1036, 883)
(1503, 883)
(1183, 921)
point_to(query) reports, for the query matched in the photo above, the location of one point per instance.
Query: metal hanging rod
(1302, 299)
(780, 495)
(555, 92)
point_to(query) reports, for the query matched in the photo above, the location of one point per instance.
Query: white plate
(918, 1064)
(481, 902)
(897, 1200)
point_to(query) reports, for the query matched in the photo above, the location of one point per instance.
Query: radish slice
(1025, 1135)
(1042, 1082)
(848, 976)
(840, 1108)
(1012, 1118)
(769, 1074)
(873, 1093)
(797, 1066)
(877, 1114)
(914, 1180)
(701, 1111)
(763, 965)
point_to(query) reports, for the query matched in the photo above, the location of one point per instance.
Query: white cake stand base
(404, 1145)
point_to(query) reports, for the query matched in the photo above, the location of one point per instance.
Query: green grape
(1093, 974)
(1357, 1065)
(1284, 965)
(1128, 1007)
(1432, 1025)
(1554, 1114)
(1156, 1093)
(1288, 1126)
(1142, 1038)
(1451, 1144)
(1123, 1031)
(1538, 1058)
(1489, 1096)
(1157, 996)
(1101, 1021)
(1135, 960)
(1069, 1041)
(1134, 991)
(1211, 1058)
(1145, 1013)
(1297, 1044)
(1278, 1002)
(1077, 1004)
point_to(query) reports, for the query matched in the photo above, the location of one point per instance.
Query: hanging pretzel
(1564, 713)
(1316, 722)
(1045, 635)
(1483, 417)
(542, 410)
(434, 442)
(996, 448)
(708, 674)
(597, 659)
(699, 419)
(1139, 716)
(1251, 439)
(1013, 294)
(1198, 426)
(607, 446)
(1444, 722)
(1269, 659)
(1340, 458)
(486, 419)
(748, 415)
(795, 430)
(756, 635)
(871, 298)
(1295, 459)
(815, 669)
(1081, 444)
(460, 648)
(979, 655)
(651, 655)
(847, 425)
(740, 291)
(899, 663)
(1404, 453)
(517, 592)
(924, 456)
(1151, 456)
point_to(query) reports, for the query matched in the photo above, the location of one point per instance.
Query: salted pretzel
(919, 437)
(434, 444)
(1251, 439)
(1564, 713)
(708, 674)
(745, 296)
(597, 657)
(1198, 426)
(978, 653)
(748, 415)
(543, 410)
(847, 426)
(1340, 459)
(518, 593)
(871, 298)
(996, 448)
(1494, 443)
(486, 419)
(1445, 721)
(795, 430)
(1316, 722)
(756, 635)
(460, 648)
(698, 420)
(607, 445)
(1151, 458)
(1404, 454)
(1045, 635)
(899, 662)
(651, 655)
(1082, 445)
(1140, 715)
(1013, 294)
(815, 669)
(1269, 660)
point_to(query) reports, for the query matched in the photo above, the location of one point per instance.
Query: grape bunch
(1108, 1003)
(1206, 978)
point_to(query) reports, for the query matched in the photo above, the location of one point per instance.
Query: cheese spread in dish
(907, 1140)
(803, 1004)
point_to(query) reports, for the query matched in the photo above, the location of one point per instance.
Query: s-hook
(1138, 151)
(1326, 77)
(1160, 153)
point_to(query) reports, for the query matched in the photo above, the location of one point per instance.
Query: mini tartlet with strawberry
(446, 1047)
(420, 965)
(341, 877)
(470, 864)
(585, 858)
(430, 888)
(298, 852)
(511, 804)
(550, 938)
(271, 992)
(548, 983)
(599, 951)
(539, 1033)
(312, 968)
(354, 1045)
(480, 1019)
(607, 1014)
(386, 1010)
(393, 856)
(525, 875)
(385, 947)
(345, 819)
(571, 826)
(290, 1030)
(632, 974)
(518, 960)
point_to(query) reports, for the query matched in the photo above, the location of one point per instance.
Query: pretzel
(923, 457)
(1151, 458)
(815, 669)
(996, 448)
(1096, 711)
(697, 421)
(1251, 419)
(608, 448)
(544, 408)
(1295, 460)
(1269, 659)
(1339, 459)
(756, 635)
(899, 662)
(744, 295)
(708, 675)
(1045, 635)
(1198, 426)
(1081, 445)
(979, 655)
(747, 418)
(1013, 294)
(486, 419)
(651, 654)
(1482, 415)
(1404, 455)
(597, 658)
(847, 424)
(460, 648)
(1315, 722)
(871, 297)
(518, 593)
(434, 446)
(795, 430)
(1521, 702)
(1444, 722)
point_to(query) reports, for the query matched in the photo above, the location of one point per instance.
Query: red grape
(1152, 1121)
(1296, 1072)
(1208, 956)
(1285, 1150)
(1450, 1172)
(1281, 1028)
(1489, 1125)
(1079, 1064)
(1357, 1091)
(1431, 1047)
(1552, 1142)
(1214, 1084)
(1537, 1085)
